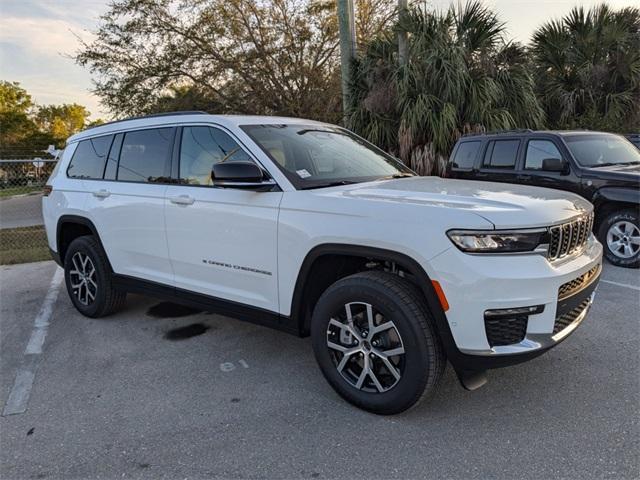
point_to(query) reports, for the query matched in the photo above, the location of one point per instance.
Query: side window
(537, 151)
(110, 170)
(502, 154)
(201, 148)
(144, 156)
(89, 158)
(466, 154)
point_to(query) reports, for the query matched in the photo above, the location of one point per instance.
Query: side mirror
(245, 175)
(555, 165)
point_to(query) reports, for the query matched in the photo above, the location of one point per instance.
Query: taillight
(47, 190)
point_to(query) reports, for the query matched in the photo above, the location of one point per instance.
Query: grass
(23, 245)
(11, 191)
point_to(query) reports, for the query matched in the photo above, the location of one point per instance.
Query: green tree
(61, 121)
(26, 129)
(15, 108)
(588, 69)
(249, 56)
(462, 76)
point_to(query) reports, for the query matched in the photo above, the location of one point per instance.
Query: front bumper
(474, 284)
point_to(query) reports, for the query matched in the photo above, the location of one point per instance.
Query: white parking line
(626, 285)
(19, 395)
(41, 323)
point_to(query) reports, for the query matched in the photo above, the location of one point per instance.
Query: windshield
(315, 156)
(602, 150)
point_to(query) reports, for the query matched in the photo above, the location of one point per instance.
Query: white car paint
(191, 245)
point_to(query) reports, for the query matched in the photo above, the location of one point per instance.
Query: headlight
(496, 241)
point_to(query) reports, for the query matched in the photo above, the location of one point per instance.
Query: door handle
(182, 200)
(102, 193)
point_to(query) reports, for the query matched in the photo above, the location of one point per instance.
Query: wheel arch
(69, 228)
(306, 291)
(610, 199)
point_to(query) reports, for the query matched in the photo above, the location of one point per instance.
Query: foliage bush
(463, 76)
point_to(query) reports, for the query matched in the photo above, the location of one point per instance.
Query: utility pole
(346, 24)
(403, 46)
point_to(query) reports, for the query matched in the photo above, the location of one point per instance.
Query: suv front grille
(569, 237)
(505, 331)
(563, 321)
(577, 284)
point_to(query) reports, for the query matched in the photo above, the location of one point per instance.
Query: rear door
(535, 151)
(499, 161)
(222, 241)
(127, 204)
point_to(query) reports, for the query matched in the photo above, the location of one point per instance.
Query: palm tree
(462, 76)
(588, 69)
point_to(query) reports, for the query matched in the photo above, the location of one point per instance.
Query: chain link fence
(22, 235)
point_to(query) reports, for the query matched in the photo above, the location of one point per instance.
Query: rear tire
(87, 275)
(391, 331)
(619, 234)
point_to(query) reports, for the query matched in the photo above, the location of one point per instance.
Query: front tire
(87, 276)
(619, 234)
(374, 342)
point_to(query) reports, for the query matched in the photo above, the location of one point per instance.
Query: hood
(623, 174)
(504, 205)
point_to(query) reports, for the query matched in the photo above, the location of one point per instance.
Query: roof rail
(499, 132)
(152, 115)
(513, 130)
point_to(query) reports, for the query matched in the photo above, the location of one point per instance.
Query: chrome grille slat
(569, 237)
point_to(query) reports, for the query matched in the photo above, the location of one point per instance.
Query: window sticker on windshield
(303, 173)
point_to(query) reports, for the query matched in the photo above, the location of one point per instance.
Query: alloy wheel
(366, 348)
(84, 284)
(623, 239)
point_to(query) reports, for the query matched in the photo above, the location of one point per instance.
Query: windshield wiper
(397, 175)
(329, 184)
(611, 164)
(307, 130)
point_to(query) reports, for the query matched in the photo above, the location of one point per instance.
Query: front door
(537, 150)
(222, 241)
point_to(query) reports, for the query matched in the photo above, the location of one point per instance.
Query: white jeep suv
(307, 228)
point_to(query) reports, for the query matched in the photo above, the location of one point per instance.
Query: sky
(37, 38)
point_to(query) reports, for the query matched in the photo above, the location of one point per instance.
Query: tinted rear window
(466, 154)
(503, 154)
(89, 158)
(144, 156)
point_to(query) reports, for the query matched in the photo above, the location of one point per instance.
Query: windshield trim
(300, 184)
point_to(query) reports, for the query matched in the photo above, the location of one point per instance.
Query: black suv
(602, 167)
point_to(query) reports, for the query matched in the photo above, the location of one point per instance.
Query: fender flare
(616, 194)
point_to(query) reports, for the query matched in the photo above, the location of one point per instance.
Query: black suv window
(89, 158)
(466, 154)
(201, 148)
(502, 154)
(144, 156)
(539, 150)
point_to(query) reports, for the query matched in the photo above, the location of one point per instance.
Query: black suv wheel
(374, 342)
(619, 234)
(88, 278)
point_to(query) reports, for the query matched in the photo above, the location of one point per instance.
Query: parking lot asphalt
(157, 391)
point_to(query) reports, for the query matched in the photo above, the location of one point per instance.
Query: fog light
(508, 326)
